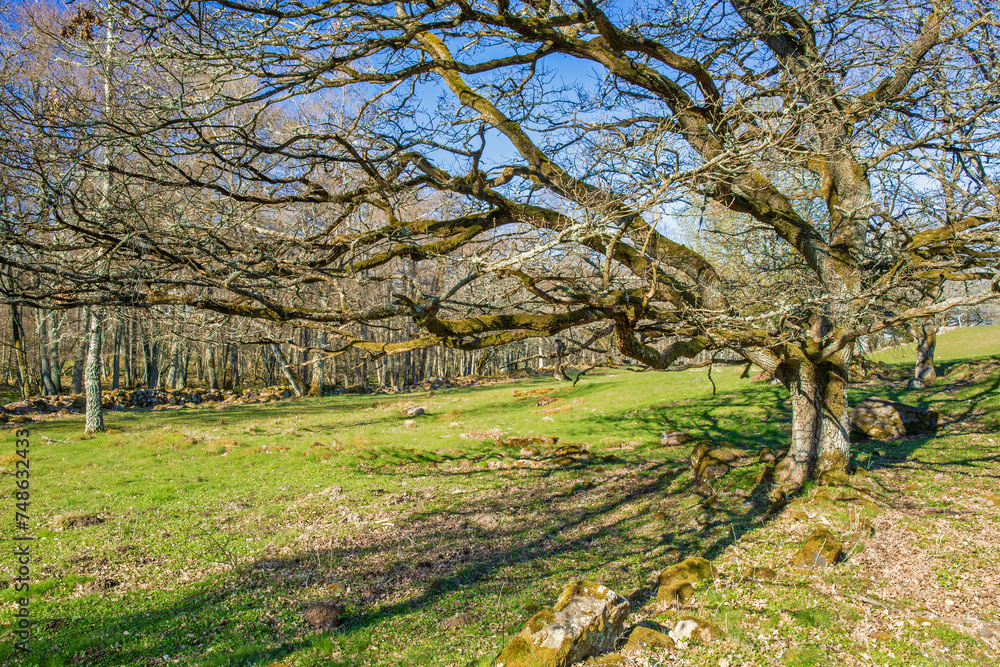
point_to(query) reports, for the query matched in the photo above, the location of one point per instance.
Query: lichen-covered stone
(821, 549)
(673, 438)
(642, 638)
(585, 620)
(695, 630)
(881, 419)
(761, 572)
(709, 462)
(676, 583)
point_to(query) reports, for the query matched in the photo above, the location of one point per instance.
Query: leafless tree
(277, 155)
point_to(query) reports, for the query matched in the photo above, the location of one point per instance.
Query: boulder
(881, 419)
(709, 463)
(760, 572)
(528, 441)
(821, 549)
(642, 638)
(672, 438)
(586, 620)
(414, 411)
(676, 583)
(695, 629)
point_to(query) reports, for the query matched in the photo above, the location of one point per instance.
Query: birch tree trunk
(44, 363)
(213, 382)
(116, 356)
(81, 353)
(319, 372)
(92, 376)
(287, 370)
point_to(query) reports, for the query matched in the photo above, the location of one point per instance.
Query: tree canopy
(275, 159)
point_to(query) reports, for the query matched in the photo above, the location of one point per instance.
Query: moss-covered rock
(676, 583)
(642, 638)
(756, 572)
(881, 419)
(585, 620)
(821, 549)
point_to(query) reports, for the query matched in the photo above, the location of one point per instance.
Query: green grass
(217, 526)
(958, 344)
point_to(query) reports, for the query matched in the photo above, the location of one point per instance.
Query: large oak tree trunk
(834, 451)
(820, 424)
(796, 467)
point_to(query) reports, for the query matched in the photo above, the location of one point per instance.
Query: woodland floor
(199, 537)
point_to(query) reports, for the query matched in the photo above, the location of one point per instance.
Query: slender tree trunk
(305, 370)
(116, 357)
(23, 381)
(234, 362)
(559, 374)
(185, 361)
(44, 363)
(92, 377)
(287, 370)
(81, 353)
(55, 364)
(925, 332)
(213, 382)
(151, 359)
(924, 373)
(319, 372)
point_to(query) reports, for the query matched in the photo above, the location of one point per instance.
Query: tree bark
(797, 465)
(81, 353)
(319, 373)
(116, 357)
(559, 374)
(834, 453)
(23, 379)
(44, 363)
(287, 370)
(213, 382)
(924, 331)
(92, 377)
(820, 424)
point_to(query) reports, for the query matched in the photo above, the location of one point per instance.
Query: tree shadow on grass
(528, 533)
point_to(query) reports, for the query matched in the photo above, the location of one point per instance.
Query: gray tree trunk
(23, 379)
(116, 357)
(44, 363)
(924, 330)
(287, 370)
(820, 424)
(81, 353)
(319, 372)
(92, 377)
(795, 468)
(213, 382)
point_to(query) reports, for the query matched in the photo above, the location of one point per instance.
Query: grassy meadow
(199, 536)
